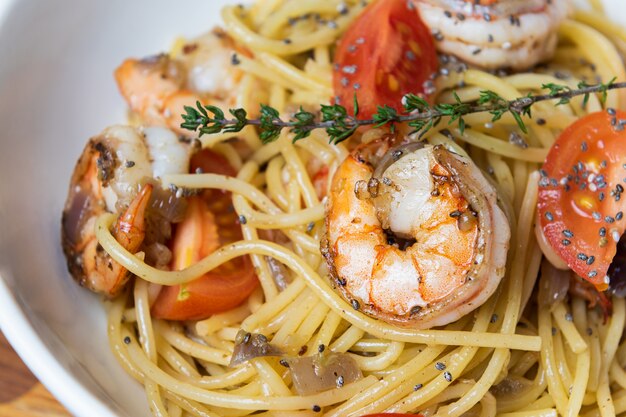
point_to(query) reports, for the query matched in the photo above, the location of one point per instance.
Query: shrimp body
(158, 87)
(116, 174)
(497, 33)
(419, 247)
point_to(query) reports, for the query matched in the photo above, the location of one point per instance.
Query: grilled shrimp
(417, 240)
(495, 33)
(158, 87)
(117, 173)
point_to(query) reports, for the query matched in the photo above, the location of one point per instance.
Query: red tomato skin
(579, 221)
(210, 223)
(386, 53)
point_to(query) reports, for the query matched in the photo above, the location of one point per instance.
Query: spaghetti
(507, 358)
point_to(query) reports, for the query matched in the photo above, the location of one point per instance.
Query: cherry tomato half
(580, 208)
(386, 53)
(210, 223)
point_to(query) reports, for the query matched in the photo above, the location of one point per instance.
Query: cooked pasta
(512, 356)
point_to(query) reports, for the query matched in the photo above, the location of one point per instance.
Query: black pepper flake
(440, 366)
(316, 408)
(127, 340)
(418, 387)
(303, 350)
(448, 376)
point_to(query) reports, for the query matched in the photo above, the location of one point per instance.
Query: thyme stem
(418, 113)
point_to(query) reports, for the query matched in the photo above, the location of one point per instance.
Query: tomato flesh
(386, 53)
(210, 222)
(580, 208)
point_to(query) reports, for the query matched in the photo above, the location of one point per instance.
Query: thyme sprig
(417, 112)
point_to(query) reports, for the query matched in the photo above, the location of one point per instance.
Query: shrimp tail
(130, 228)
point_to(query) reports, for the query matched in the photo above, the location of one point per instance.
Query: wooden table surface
(21, 395)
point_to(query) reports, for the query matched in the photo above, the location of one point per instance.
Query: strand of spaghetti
(263, 72)
(544, 402)
(295, 76)
(614, 332)
(190, 347)
(312, 321)
(315, 282)
(388, 383)
(271, 377)
(455, 366)
(222, 399)
(382, 361)
(146, 336)
(253, 41)
(269, 310)
(175, 360)
(599, 50)
(561, 360)
(491, 144)
(488, 402)
(545, 412)
(219, 320)
(347, 339)
(271, 26)
(617, 374)
(503, 175)
(568, 329)
(261, 267)
(522, 399)
(583, 362)
(326, 332)
(555, 386)
(300, 173)
(275, 188)
(295, 319)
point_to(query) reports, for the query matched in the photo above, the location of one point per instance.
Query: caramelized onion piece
(252, 345)
(314, 374)
(553, 284)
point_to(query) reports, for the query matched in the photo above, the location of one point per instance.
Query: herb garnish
(418, 113)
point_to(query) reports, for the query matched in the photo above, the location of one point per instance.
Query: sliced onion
(279, 272)
(511, 386)
(314, 374)
(553, 285)
(252, 345)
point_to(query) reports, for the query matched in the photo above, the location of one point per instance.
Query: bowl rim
(28, 344)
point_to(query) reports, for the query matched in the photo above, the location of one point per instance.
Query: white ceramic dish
(56, 90)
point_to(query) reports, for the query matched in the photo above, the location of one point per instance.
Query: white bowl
(57, 90)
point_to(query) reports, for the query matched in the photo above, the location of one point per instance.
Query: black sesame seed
(440, 366)
(460, 16)
(553, 331)
(591, 260)
(455, 214)
(494, 318)
(287, 41)
(541, 121)
(566, 242)
(448, 376)
(127, 340)
(242, 219)
(316, 408)
(609, 219)
(130, 164)
(602, 231)
(582, 256)
(592, 274)
(569, 317)
(549, 216)
(284, 363)
(321, 348)
(611, 111)
(340, 381)
(234, 59)
(247, 337)
(619, 215)
(418, 387)
(487, 17)
(447, 14)
(568, 233)
(355, 304)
